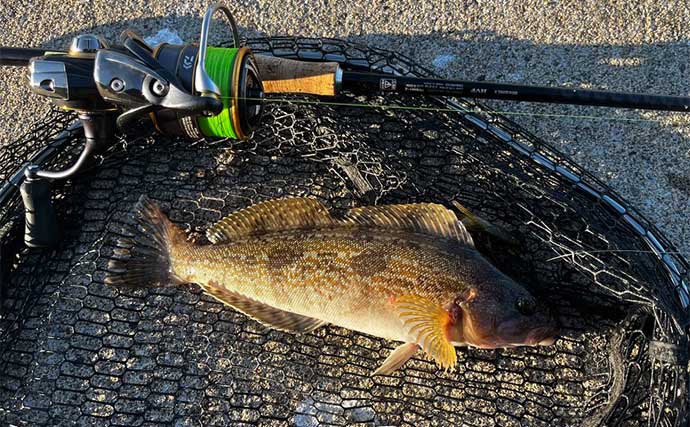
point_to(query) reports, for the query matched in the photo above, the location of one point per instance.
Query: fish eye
(526, 306)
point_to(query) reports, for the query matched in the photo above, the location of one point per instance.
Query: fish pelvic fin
(424, 218)
(143, 258)
(397, 358)
(274, 215)
(263, 313)
(426, 323)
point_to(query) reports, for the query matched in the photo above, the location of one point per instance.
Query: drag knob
(86, 44)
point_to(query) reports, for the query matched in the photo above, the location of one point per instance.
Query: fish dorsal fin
(426, 323)
(266, 314)
(426, 218)
(273, 215)
(469, 219)
(476, 224)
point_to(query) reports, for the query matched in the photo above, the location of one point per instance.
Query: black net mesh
(73, 350)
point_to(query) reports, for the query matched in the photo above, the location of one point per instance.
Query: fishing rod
(197, 91)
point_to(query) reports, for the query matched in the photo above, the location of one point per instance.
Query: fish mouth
(542, 336)
(511, 333)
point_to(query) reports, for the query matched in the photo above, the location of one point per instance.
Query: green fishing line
(220, 66)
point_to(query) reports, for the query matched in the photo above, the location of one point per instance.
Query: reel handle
(281, 75)
(41, 227)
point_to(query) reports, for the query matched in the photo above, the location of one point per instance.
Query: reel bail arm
(202, 81)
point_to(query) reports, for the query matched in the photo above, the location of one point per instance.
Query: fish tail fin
(143, 258)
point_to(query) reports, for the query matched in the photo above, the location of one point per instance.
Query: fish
(408, 273)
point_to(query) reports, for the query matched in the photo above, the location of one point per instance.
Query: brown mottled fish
(407, 273)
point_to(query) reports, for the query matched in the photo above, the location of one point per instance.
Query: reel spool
(232, 77)
(235, 72)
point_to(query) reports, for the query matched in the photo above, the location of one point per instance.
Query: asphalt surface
(616, 45)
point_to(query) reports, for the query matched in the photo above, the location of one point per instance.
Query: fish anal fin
(397, 358)
(426, 218)
(270, 216)
(263, 313)
(426, 323)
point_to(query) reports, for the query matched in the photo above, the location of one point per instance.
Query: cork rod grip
(280, 75)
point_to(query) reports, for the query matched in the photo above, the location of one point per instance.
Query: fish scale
(332, 288)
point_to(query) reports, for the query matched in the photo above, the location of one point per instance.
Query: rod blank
(17, 56)
(371, 82)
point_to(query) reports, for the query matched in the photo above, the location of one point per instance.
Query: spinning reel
(166, 85)
(190, 91)
(197, 91)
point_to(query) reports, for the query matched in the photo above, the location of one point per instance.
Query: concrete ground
(616, 44)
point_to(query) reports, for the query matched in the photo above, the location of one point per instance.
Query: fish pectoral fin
(263, 313)
(426, 323)
(397, 358)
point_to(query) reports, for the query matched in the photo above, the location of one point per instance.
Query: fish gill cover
(76, 351)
